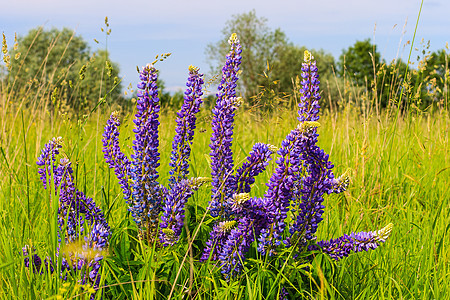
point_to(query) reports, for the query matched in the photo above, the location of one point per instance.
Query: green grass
(398, 162)
(397, 176)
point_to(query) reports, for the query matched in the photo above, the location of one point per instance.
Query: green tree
(432, 75)
(422, 86)
(270, 63)
(100, 80)
(260, 45)
(358, 61)
(48, 67)
(390, 80)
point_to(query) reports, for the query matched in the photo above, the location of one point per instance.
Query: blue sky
(142, 29)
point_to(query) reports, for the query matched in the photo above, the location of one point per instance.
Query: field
(397, 161)
(399, 174)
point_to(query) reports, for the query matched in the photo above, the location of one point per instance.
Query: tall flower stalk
(228, 183)
(222, 132)
(82, 229)
(289, 213)
(186, 119)
(151, 204)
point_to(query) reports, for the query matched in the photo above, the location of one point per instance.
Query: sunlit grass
(397, 159)
(407, 186)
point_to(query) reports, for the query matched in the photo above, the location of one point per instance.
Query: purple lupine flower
(256, 163)
(316, 180)
(242, 205)
(309, 100)
(94, 273)
(69, 218)
(64, 181)
(98, 237)
(114, 156)
(172, 219)
(74, 206)
(280, 191)
(283, 295)
(251, 218)
(218, 236)
(47, 158)
(97, 242)
(340, 184)
(222, 136)
(355, 242)
(217, 239)
(35, 262)
(222, 156)
(223, 180)
(91, 211)
(186, 118)
(228, 83)
(235, 247)
(85, 257)
(145, 203)
(76, 213)
(315, 177)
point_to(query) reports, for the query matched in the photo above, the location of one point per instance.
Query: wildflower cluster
(82, 229)
(292, 207)
(287, 216)
(151, 204)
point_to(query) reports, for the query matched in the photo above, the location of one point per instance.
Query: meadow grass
(398, 162)
(399, 177)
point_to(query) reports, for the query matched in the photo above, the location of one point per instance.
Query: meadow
(397, 161)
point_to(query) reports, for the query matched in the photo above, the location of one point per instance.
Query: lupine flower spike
(186, 118)
(79, 251)
(229, 188)
(355, 242)
(222, 126)
(138, 176)
(295, 191)
(146, 199)
(314, 177)
(114, 156)
(172, 219)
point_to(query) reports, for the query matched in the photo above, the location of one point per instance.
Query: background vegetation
(389, 126)
(270, 63)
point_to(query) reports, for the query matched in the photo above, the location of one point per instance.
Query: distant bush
(56, 68)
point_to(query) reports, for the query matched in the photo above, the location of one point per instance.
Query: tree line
(271, 66)
(58, 66)
(57, 69)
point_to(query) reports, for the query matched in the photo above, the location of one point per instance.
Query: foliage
(432, 76)
(398, 165)
(271, 64)
(100, 79)
(359, 62)
(281, 79)
(57, 65)
(261, 46)
(401, 177)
